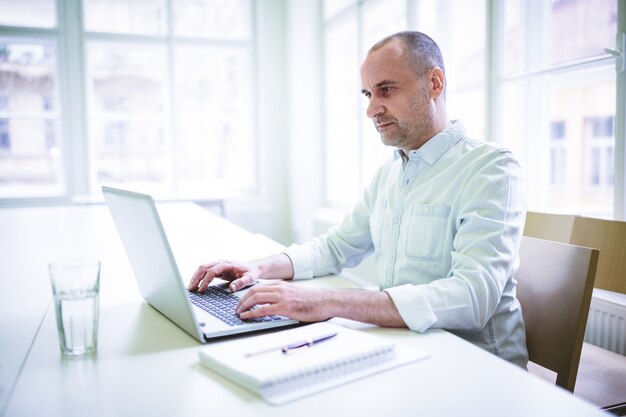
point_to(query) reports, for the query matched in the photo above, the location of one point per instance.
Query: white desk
(147, 366)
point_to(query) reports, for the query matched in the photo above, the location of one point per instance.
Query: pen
(294, 347)
(307, 343)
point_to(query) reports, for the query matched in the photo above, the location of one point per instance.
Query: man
(444, 219)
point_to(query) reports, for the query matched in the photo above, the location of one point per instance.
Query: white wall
(290, 123)
(305, 101)
(269, 212)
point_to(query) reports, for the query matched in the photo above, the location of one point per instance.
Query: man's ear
(438, 82)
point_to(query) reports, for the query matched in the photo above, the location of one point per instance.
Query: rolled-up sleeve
(300, 261)
(413, 307)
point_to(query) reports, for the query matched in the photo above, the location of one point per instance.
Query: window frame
(79, 179)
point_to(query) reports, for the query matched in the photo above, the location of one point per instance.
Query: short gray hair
(422, 52)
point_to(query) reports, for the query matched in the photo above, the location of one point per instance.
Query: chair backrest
(609, 236)
(555, 282)
(557, 227)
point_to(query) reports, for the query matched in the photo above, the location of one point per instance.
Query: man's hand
(241, 275)
(303, 304)
(311, 305)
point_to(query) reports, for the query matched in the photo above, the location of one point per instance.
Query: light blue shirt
(445, 225)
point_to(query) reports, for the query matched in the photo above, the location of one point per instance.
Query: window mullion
(359, 130)
(619, 131)
(170, 121)
(77, 156)
(493, 51)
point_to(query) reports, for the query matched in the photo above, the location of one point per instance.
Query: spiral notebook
(264, 364)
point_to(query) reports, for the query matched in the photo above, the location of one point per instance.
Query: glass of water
(76, 286)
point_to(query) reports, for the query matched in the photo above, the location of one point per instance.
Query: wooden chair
(555, 282)
(549, 226)
(609, 236)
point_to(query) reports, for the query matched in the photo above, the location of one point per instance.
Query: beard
(412, 132)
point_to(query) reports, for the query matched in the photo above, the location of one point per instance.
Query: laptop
(204, 316)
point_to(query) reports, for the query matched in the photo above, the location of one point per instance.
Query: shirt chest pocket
(426, 232)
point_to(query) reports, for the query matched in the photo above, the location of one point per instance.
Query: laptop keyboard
(221, 303)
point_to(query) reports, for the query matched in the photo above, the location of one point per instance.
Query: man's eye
(368, 95)
(386, 90)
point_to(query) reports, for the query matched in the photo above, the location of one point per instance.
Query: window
(177, 115)
(600, 146)
(459, 28)
(167, 100)
(126, 100)
(29, 156)
(557, 130)
(5, 138)
(558, 149)
(215, 130)
(28, 13)
(532, 75)
(352, 148)
(602, 127)
(554, 68)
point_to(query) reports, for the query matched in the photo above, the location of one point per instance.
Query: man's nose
(374, 108)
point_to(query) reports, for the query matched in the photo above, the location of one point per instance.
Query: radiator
(606, 325)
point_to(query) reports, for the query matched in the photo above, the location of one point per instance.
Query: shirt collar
(436, 146)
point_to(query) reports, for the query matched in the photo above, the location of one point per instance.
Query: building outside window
(151, 93)
(28, 80)
(558, 151)
(5, 137)
(600, 146)
(554, 67)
